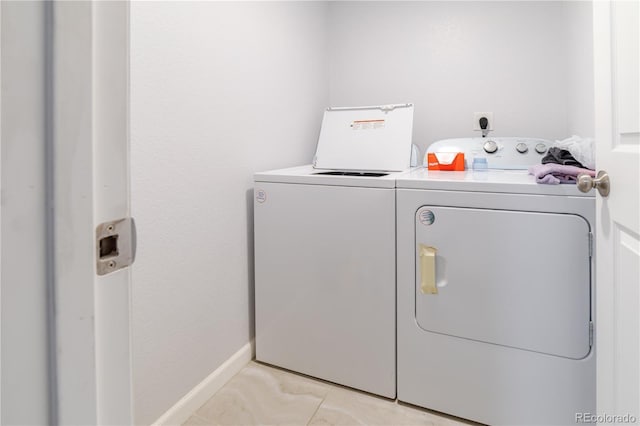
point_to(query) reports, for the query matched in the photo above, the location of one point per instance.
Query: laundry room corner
(215, 96)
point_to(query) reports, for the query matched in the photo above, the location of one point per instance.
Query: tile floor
(264, 395)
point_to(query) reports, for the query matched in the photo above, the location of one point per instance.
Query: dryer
(325, 252)
(495, 290)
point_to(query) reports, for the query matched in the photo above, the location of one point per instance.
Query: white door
(81, 179)
(24, 298)
(617, 114)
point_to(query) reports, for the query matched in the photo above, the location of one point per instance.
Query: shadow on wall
(251, 280)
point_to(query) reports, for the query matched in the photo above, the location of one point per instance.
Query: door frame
(90, 174)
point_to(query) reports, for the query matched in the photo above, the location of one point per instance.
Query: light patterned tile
(261, 395)
(346, 407)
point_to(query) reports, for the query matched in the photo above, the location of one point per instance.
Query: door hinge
(115, 245)
(590, 333)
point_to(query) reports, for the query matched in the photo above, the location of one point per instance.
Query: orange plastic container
(450, 161)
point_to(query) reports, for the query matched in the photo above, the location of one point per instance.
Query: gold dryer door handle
(428, 269)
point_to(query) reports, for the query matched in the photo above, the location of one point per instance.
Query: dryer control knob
(541, 148)
(522, 148)
(490, 147)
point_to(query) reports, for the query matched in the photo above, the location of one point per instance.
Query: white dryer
(325, 271)
(495, 290)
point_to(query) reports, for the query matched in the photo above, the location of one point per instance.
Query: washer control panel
(500, 152)
(522, 148)
(490, 147)
(541, 148)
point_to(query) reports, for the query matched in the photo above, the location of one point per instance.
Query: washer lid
(309, 176)
(376, 138)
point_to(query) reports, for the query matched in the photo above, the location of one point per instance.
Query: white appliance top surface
(365, 138)
(504, 181)
(309, 176)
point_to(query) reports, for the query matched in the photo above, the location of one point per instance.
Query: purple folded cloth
(554, 174)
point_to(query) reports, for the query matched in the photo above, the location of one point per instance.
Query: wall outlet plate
(476, 120)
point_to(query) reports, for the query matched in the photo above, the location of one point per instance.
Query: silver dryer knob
(541, 148)
(490, 147)
(522, 148)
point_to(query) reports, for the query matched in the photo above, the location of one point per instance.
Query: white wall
(580, 106)
(219, 90)
(454, 58)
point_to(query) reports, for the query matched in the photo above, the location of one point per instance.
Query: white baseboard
(204, 390)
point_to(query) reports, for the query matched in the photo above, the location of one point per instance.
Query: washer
(495, 290)
(325, 252)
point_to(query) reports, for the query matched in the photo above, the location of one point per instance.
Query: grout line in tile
(437, 413)
(208, 421)
(318, 407)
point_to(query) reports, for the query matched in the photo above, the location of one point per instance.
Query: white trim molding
(203, 391)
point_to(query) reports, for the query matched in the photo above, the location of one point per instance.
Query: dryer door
(511, 278)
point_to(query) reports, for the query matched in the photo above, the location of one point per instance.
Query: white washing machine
(495, 290)
(325, 252)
